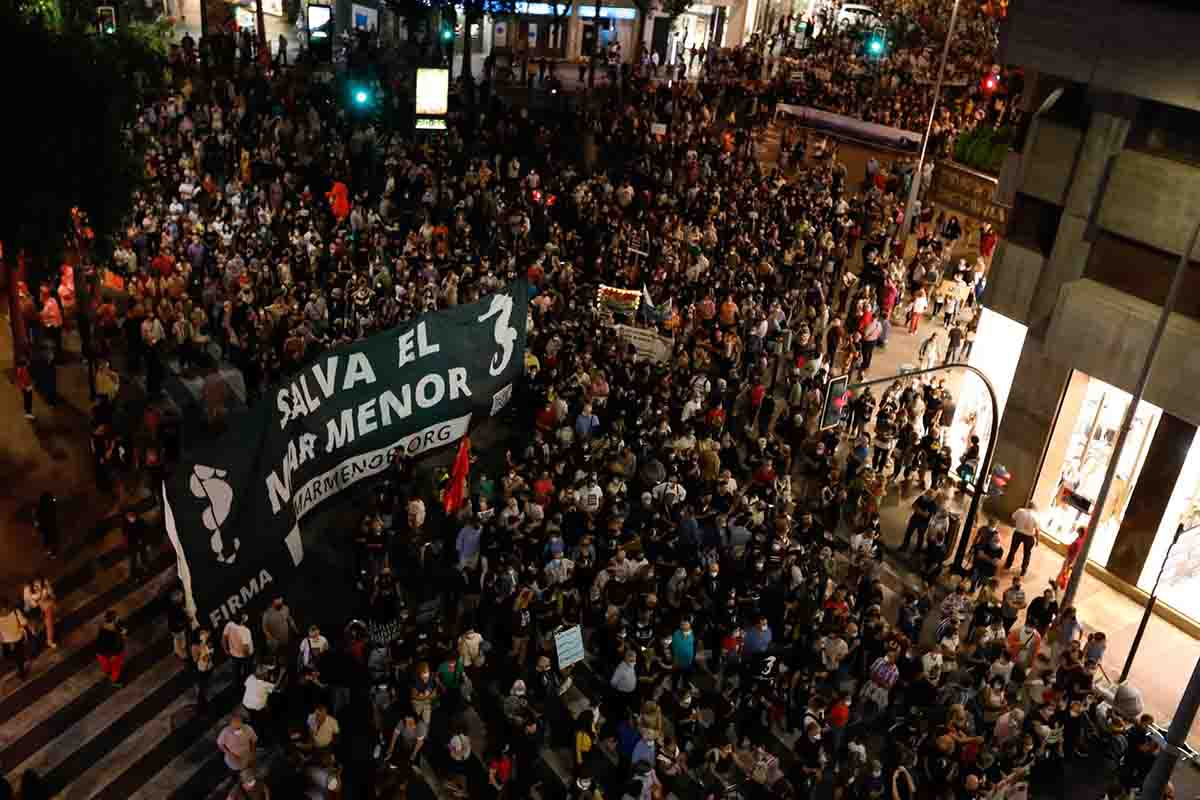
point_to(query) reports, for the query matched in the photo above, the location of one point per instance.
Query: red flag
(456, 491)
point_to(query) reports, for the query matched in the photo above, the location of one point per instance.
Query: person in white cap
(516, 706)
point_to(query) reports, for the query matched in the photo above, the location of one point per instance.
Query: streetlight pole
(1127, 423)
(1164, 764)
(913, 190)
(1150, 603)
(264, 54)
(985, 465)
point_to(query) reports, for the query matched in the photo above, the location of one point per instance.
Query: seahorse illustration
(208, 483)
(505, 334)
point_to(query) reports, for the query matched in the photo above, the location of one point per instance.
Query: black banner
(233, 508)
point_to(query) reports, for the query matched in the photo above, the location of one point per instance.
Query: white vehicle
(853, 15)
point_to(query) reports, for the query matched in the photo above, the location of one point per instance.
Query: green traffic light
(876, 47)
(447, 35)
(361, 97)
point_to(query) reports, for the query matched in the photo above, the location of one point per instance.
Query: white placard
(569, 646)
(433, 91)
(649, 344)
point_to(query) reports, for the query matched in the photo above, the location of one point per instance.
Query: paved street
(148, 739)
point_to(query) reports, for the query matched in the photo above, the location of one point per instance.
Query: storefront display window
(1180, 585)
(1095, 421)
(996, 352)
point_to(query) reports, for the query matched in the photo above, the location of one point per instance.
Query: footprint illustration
(208, 483)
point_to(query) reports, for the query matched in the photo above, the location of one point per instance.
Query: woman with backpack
(14, 628)
(110, 648)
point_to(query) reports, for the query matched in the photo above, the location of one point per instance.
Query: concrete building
(1105, 192)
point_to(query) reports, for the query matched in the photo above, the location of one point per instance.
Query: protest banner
(233, 508)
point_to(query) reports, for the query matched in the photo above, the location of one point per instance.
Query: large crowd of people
(835, 71)
(719, 548)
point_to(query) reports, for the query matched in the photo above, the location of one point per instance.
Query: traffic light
(362, 98)
(837, 402)
(447, 32)
(106, 20)
(877, 43)
(990, 82)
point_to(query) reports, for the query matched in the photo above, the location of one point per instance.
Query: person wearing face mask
(423, 692)
(324, 778)
(238, 742)
(624, 681)
(560, 569)
(683, 649)
(312, 648)
(249, 787)
(676, 592)
(545, 688)
(757, 639)
(811, 758)
(1140, 752)
(584, 788)
(202, 665)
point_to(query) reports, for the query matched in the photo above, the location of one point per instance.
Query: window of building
(1033, 223)
(1166, 131)
(1092, 411)
(1179, 562)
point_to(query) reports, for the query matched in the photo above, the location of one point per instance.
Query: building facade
(1105, 192)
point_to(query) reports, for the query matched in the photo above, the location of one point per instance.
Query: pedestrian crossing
(91, 739)
(148, 739)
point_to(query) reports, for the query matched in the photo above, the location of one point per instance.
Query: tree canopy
(72, 96)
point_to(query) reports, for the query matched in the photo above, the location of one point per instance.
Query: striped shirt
(884, 673)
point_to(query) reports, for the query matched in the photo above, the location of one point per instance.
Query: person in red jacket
(1073, 551)
(25, 384)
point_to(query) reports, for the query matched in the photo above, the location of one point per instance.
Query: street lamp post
(985, 464)
(911, 206)
(263, 48)
(1150, 603)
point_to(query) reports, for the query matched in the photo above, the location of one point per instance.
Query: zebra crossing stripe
(137, 606)
(180, 738)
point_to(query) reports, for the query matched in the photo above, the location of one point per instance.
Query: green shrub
(983, 148)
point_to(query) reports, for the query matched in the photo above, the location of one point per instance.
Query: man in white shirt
(1026, 526)
(669, 492)
(323, 729)
(691, 407)
(238, 642)
(258, 691)
(256, 696)
(931, 663)
(624, 679)
(590, 496)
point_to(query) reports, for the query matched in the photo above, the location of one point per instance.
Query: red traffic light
(991, 83)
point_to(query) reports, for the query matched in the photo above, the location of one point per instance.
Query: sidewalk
(1167, 654)
(50, 454)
